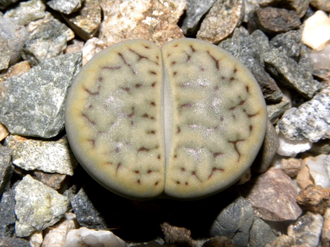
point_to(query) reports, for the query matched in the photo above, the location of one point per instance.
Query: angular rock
(275, 111)
(314, 198)
(310, 121)
(291, 148)
(15, 36)
(221, 20)
(47, 156)
(7, 214)
(6, 168)
(47, 39)
(3, 132)
(37, 206)
(194, 12)
(321, 5)
(307, 229)
(65, 6)
(27, 11)
(54, 181)
(86, 22)
(14, 242)
(36, 239)
(282, 241)
(85, 237)
(299, 6)
(304, 177)
(287, 72)
(267, 151)
(260, 233)
(91, 48)
(74, 46)
(321, 61)
(4, 54)
(177, 235)
(325, 236)
(319, 168)
(249, 49)
(291, 166)
(273, 20)
(16, 70)
(288, 43)
(151, 20)
(273, 195)
(33, 104)
(234, 222)
(87, 215)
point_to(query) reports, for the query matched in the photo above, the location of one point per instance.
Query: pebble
(273, 195)
(307, 229)
(287, 72)
(36, 239)
(291, 166)
(6, 168)
(321, 58)
(195, 11)
(319, 168)
(3, 132)
(316, 30)
(27, 11)
(290, 148)
(219, 241)
(321, 5)
(65, 6)
(14, 242)
(33, 104)
(249, 49)
(177, 235)
(16, 70)
(91, 48)
(86, 22)
(273, 20)
(15, 36)
(261, 233)
(4, 54)
(7, 213)
(314, 198)
(151, 20)
(85, 237)
(282, 241)
(56, 235)
(288, 43)
(238, 217)
(325, 237)
(74, 46)
(275, 111)
(47, 156)
(47, 39)
(304, 178)
(30, 195)
(310, 121)
(54, 181)
(221, 20)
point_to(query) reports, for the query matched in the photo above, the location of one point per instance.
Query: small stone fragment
(14, 242)
(321, 147)
(325, 237)
(194, 12)
(65, 6)
(319, 168)
(54, 181)
(33, 104)
(47, 156)
(307, 229)
(221, 20)
(219, 241)
(291, 148)
(234, 222)
(91, 48)
(15, 35)
(3, 132)
(37, 206)
(316, 30)
(47, 39)
(74, 46)
(260, 233)
(7, 214)
(299, 6)
(85, 237)
(282, 241)
(273, 196)
(4, 54)
(275, 111)
(27, 11)
(310, 121)
(321, 58)
(6, 168)
(287, 72)
(288, 43)
(86, 22)
(16, 70)
(177, 235)
(151, 20)
(274, 20)
(321, 5)
(304, 177)
(36, 239)
(291, 166)
(56, 235)
(314, 198)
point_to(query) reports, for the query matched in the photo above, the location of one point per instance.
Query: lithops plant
(183, 121)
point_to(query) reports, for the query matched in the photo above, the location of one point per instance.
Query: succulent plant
(183, 121)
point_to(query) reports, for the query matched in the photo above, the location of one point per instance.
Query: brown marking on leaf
(138, 85)
(145, 115)
(147, 47)
(192, 48)
(251, 128)
(178, 129)
(156, 183)
(232, 79)
(93, 93)
(216, 154)
(118, 166)
(216, 61)
(92, 142)
(175, 156)
(178, 182)
(252, 115)
(126, 89)
(153, 84)
(152, 103)
(143, 149)
(235, 70)
(88, 119)
(186, 105)
(236, 148)
(137, 172)
(152, 72)
(183, 169)
(188, 58)
(158, 157)
(173, 63)
(175, 73)
(111, 67)
(126, 63)
(223, 78)
(247, 88)
(242, 102)
(100, 79)
(215, 169)
(132, 113)
(138, 181)
(186, 183)
(149, 171)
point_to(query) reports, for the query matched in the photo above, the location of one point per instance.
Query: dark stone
(275, 111)
(6, 3)
(288, 43)
(6, 168)
(218, 242)
(13, 242)
(177, 235)
(7, 214)
(249, 49)
(260, 234)
(321, 4)
(273, 20)
(234, 222)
